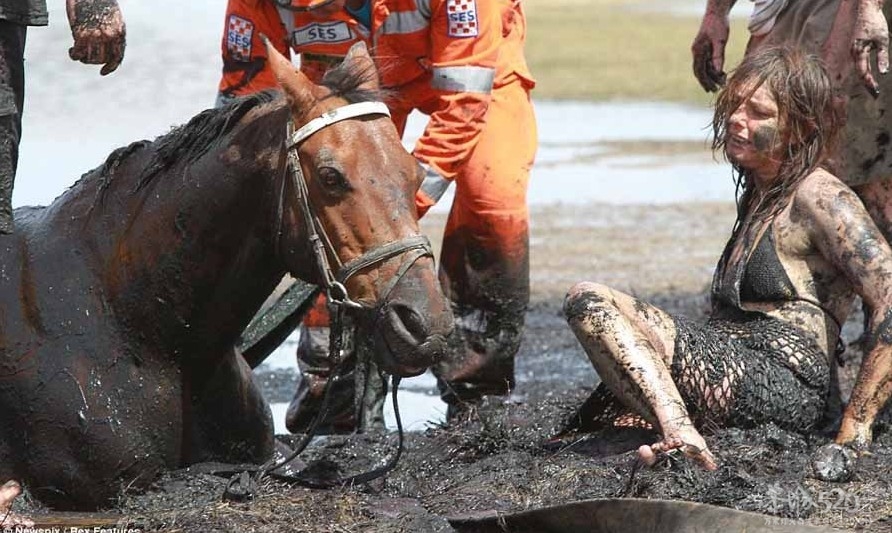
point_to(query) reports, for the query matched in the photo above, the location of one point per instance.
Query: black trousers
(12, 99)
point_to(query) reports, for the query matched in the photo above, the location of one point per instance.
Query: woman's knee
(585, 300)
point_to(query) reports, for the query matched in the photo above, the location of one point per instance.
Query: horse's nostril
(413, 322)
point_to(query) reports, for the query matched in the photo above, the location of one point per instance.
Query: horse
(123, 300)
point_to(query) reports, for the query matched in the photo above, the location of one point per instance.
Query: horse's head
(346, 159)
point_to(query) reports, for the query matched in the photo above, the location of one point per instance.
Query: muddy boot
(479, 361)
(315, 369)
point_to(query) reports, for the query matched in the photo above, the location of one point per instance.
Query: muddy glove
(871, 34)
(432, 188)
(99, 33)
(834, 462)
(708, 50)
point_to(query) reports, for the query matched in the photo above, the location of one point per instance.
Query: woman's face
(752, 139)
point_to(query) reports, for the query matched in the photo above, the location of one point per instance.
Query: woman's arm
(844, 233)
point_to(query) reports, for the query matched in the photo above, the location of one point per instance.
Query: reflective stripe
(433, 185)
(223, 100)
(467, 79)
(424, 7)
(400, 22)
(287, 19)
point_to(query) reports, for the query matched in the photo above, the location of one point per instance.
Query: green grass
(609, 50)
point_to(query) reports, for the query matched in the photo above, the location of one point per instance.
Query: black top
(761, 278)
(765, 279)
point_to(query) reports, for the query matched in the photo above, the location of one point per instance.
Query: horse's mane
(346, 81)
(188, 142)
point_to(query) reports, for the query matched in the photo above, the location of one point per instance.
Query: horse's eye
(332, 180)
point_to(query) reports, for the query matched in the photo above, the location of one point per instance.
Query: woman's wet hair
(809, 119)
(809, 124)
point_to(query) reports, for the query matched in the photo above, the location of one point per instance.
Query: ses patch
(238, 38)
(462, 18)
(327, 32)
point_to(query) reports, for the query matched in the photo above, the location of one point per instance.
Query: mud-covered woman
(802, 248)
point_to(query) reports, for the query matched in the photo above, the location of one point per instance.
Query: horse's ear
(297, 86)
(358, 58)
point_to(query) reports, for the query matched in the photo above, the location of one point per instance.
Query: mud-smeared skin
(99, 33)
(95, 13)
(832, 250)
(860, 252)
(633, 351)
(124, 298)
(765, 139)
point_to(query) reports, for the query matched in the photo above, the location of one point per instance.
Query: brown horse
(123, 299)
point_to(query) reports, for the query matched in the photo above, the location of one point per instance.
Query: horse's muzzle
(406, 342)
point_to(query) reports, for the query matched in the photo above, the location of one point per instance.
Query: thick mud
(503, 457)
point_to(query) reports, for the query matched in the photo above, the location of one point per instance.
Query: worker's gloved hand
(871, 35)
(99, 33)
(708, 50)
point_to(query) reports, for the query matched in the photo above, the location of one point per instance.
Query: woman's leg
(631, 345)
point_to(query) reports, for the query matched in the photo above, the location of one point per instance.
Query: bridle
(333, 281)
(242, 485)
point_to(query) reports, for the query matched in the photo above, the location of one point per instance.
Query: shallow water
(418, 411)
(419, 403)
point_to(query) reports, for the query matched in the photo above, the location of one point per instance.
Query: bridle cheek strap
(332, 283)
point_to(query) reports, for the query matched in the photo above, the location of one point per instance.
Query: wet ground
(503, 457)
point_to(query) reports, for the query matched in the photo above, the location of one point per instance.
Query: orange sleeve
(245, 69)
(465, 37)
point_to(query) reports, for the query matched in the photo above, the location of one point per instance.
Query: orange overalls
(461, 62)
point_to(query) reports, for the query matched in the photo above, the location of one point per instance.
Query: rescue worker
(461, 62)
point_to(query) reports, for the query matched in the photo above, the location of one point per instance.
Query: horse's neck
(193, 251)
